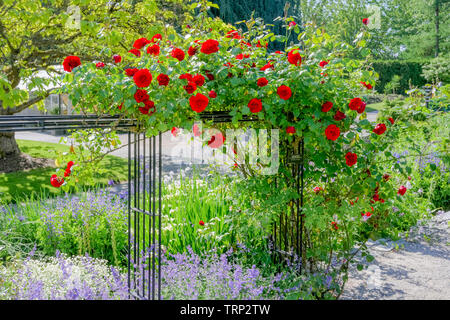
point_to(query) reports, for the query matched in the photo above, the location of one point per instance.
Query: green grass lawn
(16, 185)
(374, 107)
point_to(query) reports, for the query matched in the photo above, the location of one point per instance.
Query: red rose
(292, 24)
(386, 177)
(255, 105)
(279, 52)
(142, 78)
(198, 102)
(380, 128)
(334, 225)
(323, 63)
(362, 107)
(339, 116)
(365, 21)
(209, 75)
(332, 132)
(186, 76)
(317, 189)
(210, 46)
(71, 62)
(55, 181)
(350, 158)
(216, 141)
(391, 120)
(262, 82)
(326, 106)
(163, 79)
(148, 108)
(178, 54)
(117, 58)
(402, 190)
(201, 223)
(141, 95)
(100, 65)
(269, 65)
(290, 130)
(120, 106)
(294, 57)
(212, 94)
(190, 87)
(192, 50)
(284, 92)
(199, 80)
(367, 85)
(175, 131)
(156, 37)
(154, 50)
(141, 42)
(131, 72)
(355, 104)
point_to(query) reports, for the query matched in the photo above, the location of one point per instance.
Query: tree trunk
(8, 145)
(436, 8)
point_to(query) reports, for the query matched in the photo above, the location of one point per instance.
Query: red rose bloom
(71, 62)
(186, 76)
(156, 37)
(284, 92)
(255, 105)
(148, 108)
(209, 75)
(210, 46)
(190, 87)
(262, 82)
(55, 181)
(198, 102)
(327, 106)
(192, 50)
(365, 21)
(216, 141)
(141, 42)
(163, 79)
(367, 85)
(292, 24)
(362, 107)
(120, 106)
(267, 66)
(117, 58)
(178, 54)
(294, 57)
(334, 225)
(332, 132)
(355, 104)
(212, 94)
(201, 223)
(386, 177)
(402, 190)
(142, 78)
(350, 158)
(290, 130)
(323, 63)
(100, 65)
(131, 71)
(379, 128)
(317, 189)
(199, 80)
(136, 52)
(141, 95)
(339, 116)
(391, 120)
(174, 131)
(154, 50)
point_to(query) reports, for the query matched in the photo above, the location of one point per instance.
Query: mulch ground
(24, 162)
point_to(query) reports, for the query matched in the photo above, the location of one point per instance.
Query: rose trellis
(312, 91)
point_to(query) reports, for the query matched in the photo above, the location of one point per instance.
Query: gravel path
(415, 268)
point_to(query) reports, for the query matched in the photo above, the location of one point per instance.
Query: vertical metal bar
(301, 201)
(297, 224)
(129, 212)
(138, 183)
(160, 216)
(149, 215)
(143, 219)
(134, 215)
(153, 217)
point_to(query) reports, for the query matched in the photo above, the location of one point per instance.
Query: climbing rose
(391, 120)
(141, 95)
(163, 79)
(350, 158)
(326, 106)
(148, 108)
(294, 57)
(212, 94)
(210, 46)
(55, 181)
(317, 189)
(292, 24)
(156, 37)
(216, 141)
(367, 85)
(190, 87)
(178, 54)
(141, 42)
(355, 104)
(262, 82)
(186, 76)
(323, 63)
(131, 71)
(192, 50)
(142, 78)
(402, 190)
(267, 66)
(380, 128)
(196, 130)
(362, 107)
(71, 62)
(120, 106)
(290, 130)
(154, 50)
(209, 75)
(255, 105)
(339, 116)
(334, 225)
(100, 65)
(284, 92)
(117, 58)
(198, 102)
(386, 177)
(201, 223)
(199, 80)
(332, 132)
(175, 131)
(365, 21)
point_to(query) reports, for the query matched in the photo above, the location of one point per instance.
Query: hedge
(409, 71)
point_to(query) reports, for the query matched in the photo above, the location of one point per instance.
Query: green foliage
(408, 71)
(437, 70)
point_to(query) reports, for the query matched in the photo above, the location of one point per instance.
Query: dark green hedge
(409, 71)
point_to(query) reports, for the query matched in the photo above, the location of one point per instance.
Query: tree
(35, 36)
